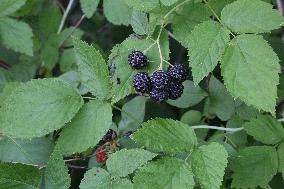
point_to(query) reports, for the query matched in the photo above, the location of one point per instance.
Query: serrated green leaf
(128, 123)
(98, 178)
(248, 63)
(218, 5)
(142, 5)
(191, 96)
(10, 6)
(265, 129)
(139, 22)
(122, 76)
(206, 44)
(7, 91)
(249, 20)
(56, 173)
(208, 164)
(89, 7)
(18, 176)
(169, 173)
(169, 2)
(38, 107)
(92, 69)
(117, 166)
(280, 152)
(254, 166)
(16, 35)
(165, 135)
(120, 15)
(238, 138)
(35, 151)
(87, 128)
(219, 101)
(186, 18)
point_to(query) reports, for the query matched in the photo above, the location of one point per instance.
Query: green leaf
(56, 173)
(16, 35)
(218, 5)
(117, 166)
(191, 96)
(169, 2)
(132, 123)
(10, 6)
(39, 107)
(248, 63)
(139, 22)
(18, 176)
(87, 128)
(93, 69)
(7, 91)
(219, 101)
(89, 7)
(208, 164)
(254, 166)
(166, 135)
(142, 5)
(120, 15)
(122, 76)
(206, 44)
(280, 151)
(35, 151)
(186, 18)
(170, 173)
(249, 20)
(265, 129)
(98, 178)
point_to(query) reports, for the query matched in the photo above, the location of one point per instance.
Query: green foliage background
(65, 81)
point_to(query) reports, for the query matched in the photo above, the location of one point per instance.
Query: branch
(217, 128)
(65, 16)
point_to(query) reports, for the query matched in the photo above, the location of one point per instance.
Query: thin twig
(172, 35)
(280, 7)
(65, 16)
(217, 128)
(77, 167)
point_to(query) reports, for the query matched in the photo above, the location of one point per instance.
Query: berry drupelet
(137, 60)
(159, 79)
(178, 72)
(175, 90)
(159, 95)
(142, 83)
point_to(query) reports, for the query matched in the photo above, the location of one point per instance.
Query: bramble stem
(65, 16)
(217, 128)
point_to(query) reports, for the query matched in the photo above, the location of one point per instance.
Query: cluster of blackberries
(161, 85)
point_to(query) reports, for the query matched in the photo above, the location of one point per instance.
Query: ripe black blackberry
(160, 79)
(111, 134)
(159, 95)
(178, 72)
(142, 83)
(175, 90)
(137, 59)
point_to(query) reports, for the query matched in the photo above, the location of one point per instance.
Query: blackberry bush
(74, 71)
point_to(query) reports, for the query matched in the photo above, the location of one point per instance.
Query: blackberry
(142, 83)
(178, 72)
(159, 79)
(111, 134)
(137, 60)
(175, 90)
(159, 95)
